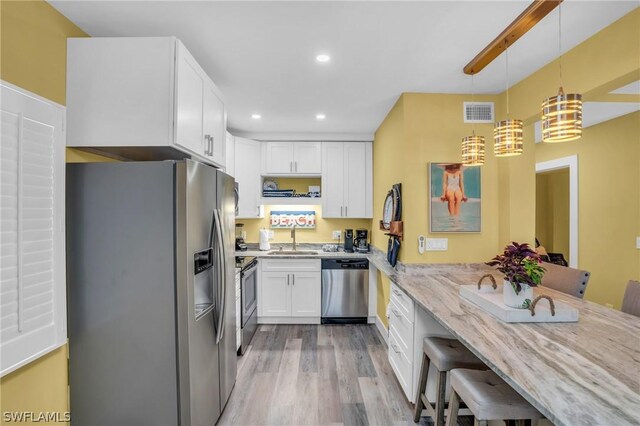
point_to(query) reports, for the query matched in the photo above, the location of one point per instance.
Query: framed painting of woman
(454, 198)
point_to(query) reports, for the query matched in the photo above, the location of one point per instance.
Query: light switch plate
(638, 242)
(337, 235)
(421, 244)
(437, 244)
(271, 235)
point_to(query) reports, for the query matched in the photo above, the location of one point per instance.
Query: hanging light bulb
(507, 134)
(473, 146)
(561, 114)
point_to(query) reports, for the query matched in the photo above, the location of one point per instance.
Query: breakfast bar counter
(582, 373)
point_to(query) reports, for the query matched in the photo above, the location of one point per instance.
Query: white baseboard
(288, 320)
(384, 333)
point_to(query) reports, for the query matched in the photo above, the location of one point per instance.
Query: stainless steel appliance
(345, 291)
(361, 241)
(248, 299)
(151, 317)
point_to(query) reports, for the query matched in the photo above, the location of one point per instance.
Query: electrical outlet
(437, 244)
(421, 244)
(337, 235)
(638, 242)
(271, 235)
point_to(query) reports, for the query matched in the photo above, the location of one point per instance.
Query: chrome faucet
(293, 235)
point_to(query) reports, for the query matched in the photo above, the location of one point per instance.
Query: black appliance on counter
(240, 244)
(248, 299)
(361, 241)
(348, 240)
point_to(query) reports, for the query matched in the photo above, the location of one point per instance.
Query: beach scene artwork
(455, 198)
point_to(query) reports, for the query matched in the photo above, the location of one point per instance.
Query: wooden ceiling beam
(516, 29)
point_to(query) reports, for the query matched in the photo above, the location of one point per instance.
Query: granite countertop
(584, 373)
(255, 252)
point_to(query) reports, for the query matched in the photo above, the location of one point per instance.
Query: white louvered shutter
(32, 274)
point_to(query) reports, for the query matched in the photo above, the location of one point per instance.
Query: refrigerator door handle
(222, 285)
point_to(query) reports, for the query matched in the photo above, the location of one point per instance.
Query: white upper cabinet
(214, 124)
(347, 180)
(247, 174)
(125, 93)
(229, 154)
(32, 255)
(292, 158)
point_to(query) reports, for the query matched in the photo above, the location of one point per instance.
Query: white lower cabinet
(289, 291)
(408, 326)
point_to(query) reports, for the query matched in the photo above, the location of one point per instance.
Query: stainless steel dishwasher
(345, 291)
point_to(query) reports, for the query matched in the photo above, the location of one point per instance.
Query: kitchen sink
(292, 253)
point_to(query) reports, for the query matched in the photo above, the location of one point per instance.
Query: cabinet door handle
(341, 208)
(258, 210)
(210, 145)
(295, 165)
(346, 210)
(290, 166)
(288, 278)
(294, 279)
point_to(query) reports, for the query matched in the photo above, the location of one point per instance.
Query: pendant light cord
(473, 99)
(506, 59)
(560, 41)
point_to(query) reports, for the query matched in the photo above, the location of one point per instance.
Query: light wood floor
(317, 375)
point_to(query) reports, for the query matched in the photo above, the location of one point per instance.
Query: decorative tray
(490, 300)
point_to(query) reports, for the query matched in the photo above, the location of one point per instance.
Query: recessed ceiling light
(323, 58)
(321, 116)
(256, 116)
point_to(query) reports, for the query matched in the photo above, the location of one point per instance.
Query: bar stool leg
(424, 372)
(454, 406)
(441, 389)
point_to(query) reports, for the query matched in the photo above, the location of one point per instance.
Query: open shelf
(291, 201)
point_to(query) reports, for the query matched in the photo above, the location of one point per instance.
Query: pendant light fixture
(561, 114)
(507, 133)
(473, 146)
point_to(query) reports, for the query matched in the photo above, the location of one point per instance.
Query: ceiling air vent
(478, 112)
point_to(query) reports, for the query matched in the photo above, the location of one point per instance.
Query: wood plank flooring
(317, 375)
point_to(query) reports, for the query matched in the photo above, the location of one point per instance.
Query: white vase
(521, 300)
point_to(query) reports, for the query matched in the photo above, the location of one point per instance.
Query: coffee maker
(348, 240)
(361, 241)
(240, 244)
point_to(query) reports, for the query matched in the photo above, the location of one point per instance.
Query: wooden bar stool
(488, 397)
(445, 355)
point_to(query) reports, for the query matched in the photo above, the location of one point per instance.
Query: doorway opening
(557, 208)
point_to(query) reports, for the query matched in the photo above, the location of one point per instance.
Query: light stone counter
(584, 373)
(253, 251)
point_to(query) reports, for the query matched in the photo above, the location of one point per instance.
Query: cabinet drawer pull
(395, 348)
(395, 313)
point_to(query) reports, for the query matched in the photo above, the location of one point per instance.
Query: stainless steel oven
(249, 302)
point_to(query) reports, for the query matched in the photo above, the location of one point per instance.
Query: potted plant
(522, 271)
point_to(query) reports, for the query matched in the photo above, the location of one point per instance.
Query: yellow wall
(609, 216)
(552, 211)
(33, 56)
(422, 128)
(608, 203)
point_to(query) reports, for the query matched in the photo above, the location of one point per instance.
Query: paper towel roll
(264, 240)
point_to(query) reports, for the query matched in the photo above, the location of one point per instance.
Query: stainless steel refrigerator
(150, 263)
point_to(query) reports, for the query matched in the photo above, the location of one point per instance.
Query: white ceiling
(261, 54)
